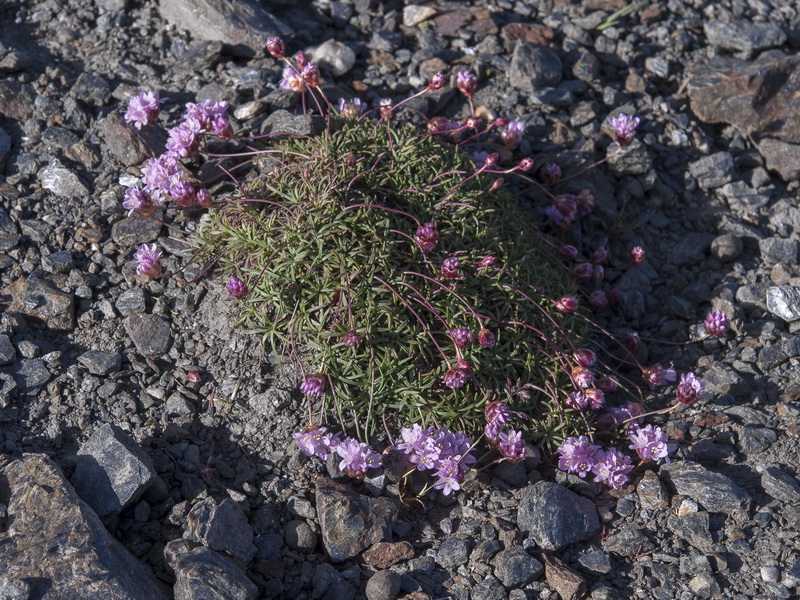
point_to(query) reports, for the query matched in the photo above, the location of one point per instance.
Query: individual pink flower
(204, 198)
(689, 388)
(449, 476)
(624, 128)
(276, 47)
(351, 109)
(568, 252)
(351, 339)
(584, 357)
(314, 385)
(357, 458)
(649, 442)
(236, 287)
(427, 235)
(183, 193)
(582, 377)
(596, 398)
(317, 441)
(148, 260)
(657, 376)
(143, 109)
(437, 81)
(578, 455)
(613, 468)
(456, 377)
(292, 81)
(582, 270)
(310, 75)
(526, 164)
(716, 323)
(462, 337)
(512, 446)
(138, 201)
(599, 255)
(467, 83)
(184, 139)
(599, 299)
(511, 136)
(450, 267)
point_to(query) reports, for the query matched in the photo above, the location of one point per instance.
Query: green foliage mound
(325, 242)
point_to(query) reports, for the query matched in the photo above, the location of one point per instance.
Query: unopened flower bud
(598, 273)
(638, 255)
(492, 159)
(236, 287)
(632, 340)
(596, 397)
(607, 384)
(598, 298)
(314, 384)
(450, 267)
(599, 255)
(276, 47)
(716, 323)
(551, 174)
(193, 376)
(501, 121)
(310, 75)
(582, 270)
(462, 337)
(568, 252)
(204, 198)
(585, 202)
(300, 59)
(567, 304)
(486, 338)
(438, 125)
(467, 83)
(526, 164)
(437, 81)
(351, 339)
(497, 184)
(427, 235)
(585, 357)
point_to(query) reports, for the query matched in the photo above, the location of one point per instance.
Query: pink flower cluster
(357, 457)
(509, 441)
(438, 450)
(579, 456)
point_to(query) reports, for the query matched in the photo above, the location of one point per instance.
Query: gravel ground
(709, 189)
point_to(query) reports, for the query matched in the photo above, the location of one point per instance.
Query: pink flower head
(638, 255)
(183, 193)
(357, 458)
(568, 252)
(526, 164)
(567, 205)
(450, 267)
(582, 270)
(599, 255)
(204, 198)
(292, 81)
(649, 442)
(596, 398)
(159, 175)
(582, 377)
(511, 136)
(457, 377)
(310, 75)
(385, 106)
(467, 83)
(317, 441)
(184, 139)
(577, 400)
(143, 109)
(657, 376)
(628, 412)
(624, 128)
(148, 260)
(486, 338)
(351, 339)
(437, 81)
(585, 357)
(689, 388)
(716, 323)
(314, 385)
(439, 125)
(473, 123)
(300, 59)
(138, 201)
(236, 287)
(497, 412)
(351, 109)
(462, 337)
(557, 218)
(551, 174)
(578, 455)
(512, 446)
(567, 304)
(598, 298)
(613, 468)
(449, 476)
(427, 235)
(276, 47)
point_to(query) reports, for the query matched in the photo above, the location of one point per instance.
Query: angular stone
(112, 471)
(780, 485)
(516, 568)
(784, 302)
(597, 562)
(31, 375)
(122, 141)
(745, 36)
(414, 14)
(282, 122)
(7, 352)
(243, 25)
(335, 56)
(633, 160)
(5, 148)
(92, 89)
(200, 55)
(715, 491)
(135, 230)
(726, 247)
(568, 583)
(384, 585)
(350, 522)
(692, 248)
(781, 157)
(533, 33)
(14, 589)
(628, 540)
(299, 536)
(761, 96)
(9, 232)
(40, 299)
(533, 67)
(652, 493)
(100, 362)
(58, 262)
(222, 527)
(692, 527)
(131, 301)
(150, 334)
(63, 182)
(713, 171)
(453, 552)
(16, 100)
(385, 554)
(555, 517)
(55, 541)
(202, 574)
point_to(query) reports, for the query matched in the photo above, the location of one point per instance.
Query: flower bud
(638, 255)
(585, 357)
(598, 273)
(599, 255)
(632, 340)
(567, 304)
(598, 298)
(467, 83)
(551, 174)
(300, 59)
(492, 159)
(582, 270)
(501, 121)
(450, 267)
(438, 125)
(236, 287)
(276, 47)
(486, 338)
(351, 339)
(437, 81)
(310, 75)
(526, 164)
(582, 377)
(568, 252)
(427, 236)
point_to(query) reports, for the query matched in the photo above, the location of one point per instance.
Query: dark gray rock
(721, 379)
(775, 250)
(150, 334)
(633, 160)
(244, 25)
(533, 67)
(705, 586)
(112, 471)
(284, 123)
(691, 249)
(745, 36)
(597, 562)
(299, 536)
(713, 171)
(753, 438)
(222, 527)
(453, 552)
(202, 574)
(651, 492)
(350, 522)
(555, 517)
(513, 473)
(7, 352)
(40, 299)
(135, 230)
(628, 540)
(384, 585)
(58, 262)
(784, 302)
(781, 157)
(9, 232)
(385, 40)
(58, 544)
(780, 485)
(489, 589)
(692, 527)
(100, 362)
(91, 89)
(516, 568)
(484, 551)
(63, 182)
(31, 375)
(131, 301)
(202, 54)
(14, 589)
(726, 248)
(5, 148)
(715, 491)
(122, 141)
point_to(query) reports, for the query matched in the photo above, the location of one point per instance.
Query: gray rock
(726, 248)
(705, 586)
(112, 471)
(384, 585)
(721, 379)
(745, 36)
(122, 141)
(202, 54)
(178, 404)
(691, 249)
(484, 551)
(150, 334)
(299, 536)
(222, 527)
(715, 491)
(58, 262)
(414, 14)
(100, 362)
(5, 148)
(31, 375)
(597, 562)
(489, 589)
(131, 301)
(555, 517)
(9, 232)
(202, 574)
(135, 230)
(780, 485)
(40, 299)
(453, 552)
(784, 302)
(533, 67)
(781, 157)
(633, 160)
(285, 123)
(63, 182)
(713, 171)
(335, 56)
(14, 589)
(651, 492)
(385, 40)
(516, 568)
(513, 473)
(91, 88)
(350, 522)
(754, 439)
(775, 250)
(244, 25)
(54, 536)
(692, 527)
(7, 352)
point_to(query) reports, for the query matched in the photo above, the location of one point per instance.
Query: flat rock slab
(222, 527)
(57, 544)
(715, 491)
(350, 522)
(150, 334)
(40, 299)
(556, 517)
(112, 472)
(744, 36)
(245, 25)
(784, 302)
(202, 574)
